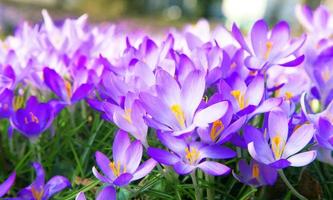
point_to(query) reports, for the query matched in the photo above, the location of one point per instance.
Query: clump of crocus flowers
(264, 98)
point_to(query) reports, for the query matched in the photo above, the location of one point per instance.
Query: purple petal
(174, 144)
(234, 127)
(80, 196)
(280, 36)
(40, 175)
(217, 152)
(280, 164)
(298, 140)
(120, 144)
(191, 93)
(123, 179)
(302, 159)
(210, 114)
(133, 156)
(7, 184)
(259, 37)
(103, 163)
(214, 168)
(255, 91)
(144, 169)
(81, 92)
(162, 156)
(55, 83)
(167, 88)
(239, 37)
(55, 185)
(293, 63)
(278, 125)
(107, 193)
(183, 168)
(100, 176)
(253, 62)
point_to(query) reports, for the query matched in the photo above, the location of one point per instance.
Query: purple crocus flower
(7, 184)
(34, 119)
(125, 167)
(38, 190)
(108, 193)
(6, 102)
(280, 150)
(255, 173)
(268, 48)
(187, 157)
(175, 108)
(64, 89)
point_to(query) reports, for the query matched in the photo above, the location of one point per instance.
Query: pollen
(116, 168)
(68, 87)
(239, 98)
(179, 114)
(216, 129)
(277, 146)
(38, 195)
(18, 102)
(127, 115)
(288, 95)
(255, 171)
(269, 46)
(192, 155)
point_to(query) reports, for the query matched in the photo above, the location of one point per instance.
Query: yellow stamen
(179, 114)
(217, 128)
(277, 146)
(288, 95)
(269, 46)
(38, 195)
(255, 170)
(233, 65)
(34, 118)
(116, 168)
(127, 115)
(68, 87)
(326, 75)
(192, 155)
(239, 98)
(18, 102)
(252, 73)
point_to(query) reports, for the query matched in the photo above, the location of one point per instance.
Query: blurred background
(155, 13)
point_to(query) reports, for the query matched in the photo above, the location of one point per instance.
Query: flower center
(37, 194)
(116, 168)
(239, 98)
(217, 128)
(288, 95)
(127, 115)
(269, 46)
(255, 171)
(192, 155)
(68, 88)
(18, 102)
(179, 114)
(33, 119)
(277, 146)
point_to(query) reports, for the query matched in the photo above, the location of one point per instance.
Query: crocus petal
(107, 193)
(103, 163)
(298, 140)
(167, 88)
(302, 159)
(214, 168)
(183, 168)
(174, 144)
(55, 83)
(253, 62)
(278, 125)
(217, 152)
(280, 164)
(239, 37)
(144, 169)
(162, 156)
(260, 153)
(192, 92)
(120, 144)
(123, 179)
(259, 37)
(255, 91)
(80, 196)
(7, 184)
(133, 156)
(40, 175)
(81, 92)
(100, 176)
(55, 185)
(234, 127)
(210, 114)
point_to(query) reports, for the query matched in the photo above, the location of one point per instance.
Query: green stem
(291, 188)
(210, 190)
(196, 187)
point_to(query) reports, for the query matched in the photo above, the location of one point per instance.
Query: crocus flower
(175, 108)
(7, 184)
(187, 157)
(268, 48)
(125, 166)
(34, 119)
(108, 193)
(255, 173)
(280, 150)
(64, 88)
(38, 190)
